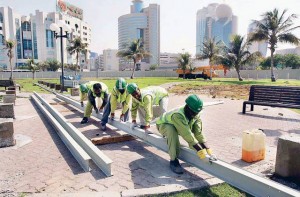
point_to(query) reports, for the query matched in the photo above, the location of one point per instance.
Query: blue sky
(178, 18)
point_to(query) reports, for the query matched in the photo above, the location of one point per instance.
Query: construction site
(55, 155)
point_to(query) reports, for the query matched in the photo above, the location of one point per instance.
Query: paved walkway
(46, 166)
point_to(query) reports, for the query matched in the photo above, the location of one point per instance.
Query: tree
(184, 62)
(43, 65)
(274, 28)
(278, 62)
(72, 67)
(237, 54)
(292, 61)
(153, 67)
(54, 65)
(32, 66)
(211, 49)
(134, 51)
(78, 47)
(9, 45)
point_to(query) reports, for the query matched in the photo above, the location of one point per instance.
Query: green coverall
(91, 99)
(174, 123)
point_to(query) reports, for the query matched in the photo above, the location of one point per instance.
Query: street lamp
(61, 27)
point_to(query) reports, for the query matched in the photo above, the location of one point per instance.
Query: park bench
(7, 83)
(274, 96)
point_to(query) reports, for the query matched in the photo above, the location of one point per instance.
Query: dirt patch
(215, 91)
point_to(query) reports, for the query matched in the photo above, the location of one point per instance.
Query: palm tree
(184, 62)
(237, 54)
(78, 47)
(273, 28)
(134, 51)
(9, 45)
(32, 66)
(211, 49)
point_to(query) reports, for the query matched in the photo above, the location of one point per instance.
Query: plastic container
(254, 147)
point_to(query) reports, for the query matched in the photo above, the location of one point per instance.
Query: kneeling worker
(119, 95)
(185, 122)
(144, 100)
(98, 90)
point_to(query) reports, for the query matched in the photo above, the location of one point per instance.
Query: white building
(110, 60)
(34, 38)
(295, 51)
(262, 46)
(141, 23)
(215, 20)
(168, 61)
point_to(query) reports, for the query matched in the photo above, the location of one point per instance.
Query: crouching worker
(119, 95)
(144, 101)
(84, 89)
(185, 122)
(98, 90)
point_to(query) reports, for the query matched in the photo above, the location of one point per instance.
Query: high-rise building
(141, 23)
(261, 46)
(295, 51)
(215, 20)
(169, 61)
(110, 60)
(35, 40)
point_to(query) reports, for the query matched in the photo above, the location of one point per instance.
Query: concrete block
(7, 110)
(47, 84)
(11, 88)
(287, 158)
(10, 91)
(52, 85)
(7, 132)
(9, 98)
(57, 87)
(74, 91)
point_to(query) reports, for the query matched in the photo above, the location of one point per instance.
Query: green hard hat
(83, 88)
(121, 84)
(194, 103)
(131, 88)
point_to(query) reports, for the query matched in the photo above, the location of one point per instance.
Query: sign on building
(69, 9)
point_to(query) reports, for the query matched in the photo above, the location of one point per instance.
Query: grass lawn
(222, 190)
(27, 84)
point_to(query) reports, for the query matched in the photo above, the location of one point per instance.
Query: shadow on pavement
(270, 117)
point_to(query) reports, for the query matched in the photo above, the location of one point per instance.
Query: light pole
(61, 27)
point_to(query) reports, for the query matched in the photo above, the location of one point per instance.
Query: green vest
(103, 87)
(166, 118)
(120, 97)
(157, 93)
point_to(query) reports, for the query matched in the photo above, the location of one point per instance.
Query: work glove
(112, 116)
(133, 124)
(81, 103)
(122, 117)
(96, 110)
(202, 154)
(210, 153)
(101, 109)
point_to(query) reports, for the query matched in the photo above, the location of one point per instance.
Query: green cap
(83, 88)
(121, 84)
(131, 88)
(194, 103)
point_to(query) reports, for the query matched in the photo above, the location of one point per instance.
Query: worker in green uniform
(144, 100)
(185, 122)
(84, 89)
(119, 95)
(96, 90)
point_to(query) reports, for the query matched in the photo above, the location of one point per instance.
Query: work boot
(103, 127)
(176, 167)
(84, 120)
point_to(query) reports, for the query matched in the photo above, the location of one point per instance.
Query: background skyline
(178, 18)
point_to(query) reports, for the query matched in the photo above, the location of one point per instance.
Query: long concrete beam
(78, 153)
(99, 158)
(242, 179)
